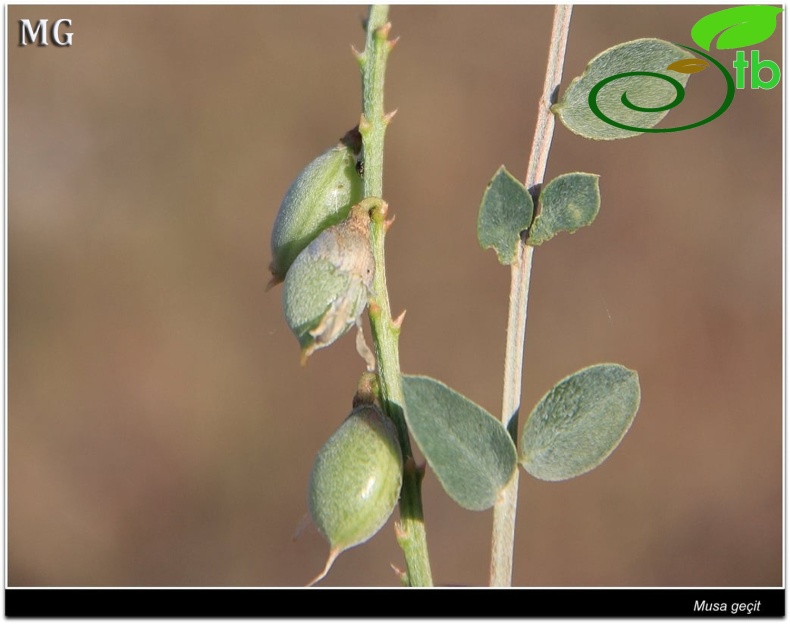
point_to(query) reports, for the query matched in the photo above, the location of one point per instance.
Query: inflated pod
(321, 195)
(356, 480)
(328, 285)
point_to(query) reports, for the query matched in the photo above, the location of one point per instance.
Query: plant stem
(503, 534)
(372, 126)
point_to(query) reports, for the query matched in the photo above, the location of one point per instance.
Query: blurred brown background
(160, 428)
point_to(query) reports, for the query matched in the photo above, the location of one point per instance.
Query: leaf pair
(573, 429)
(567, 203)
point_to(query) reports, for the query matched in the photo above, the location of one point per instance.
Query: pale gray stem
(503, 535)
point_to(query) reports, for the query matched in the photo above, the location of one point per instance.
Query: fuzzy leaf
(739, 26)
(468, 449)
(506, 210)
(579, 422)
(568, 202)
(643, 92)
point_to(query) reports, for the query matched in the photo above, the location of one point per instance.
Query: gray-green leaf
(468, 449)
(646, 92)
(506, 210)
(568, 202)
(579, 422)
(740, 27)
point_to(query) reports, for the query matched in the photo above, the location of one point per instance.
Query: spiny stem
(503, 535)
(372, 127)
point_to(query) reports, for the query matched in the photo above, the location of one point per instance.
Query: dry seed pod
(328, 285)
(356, 481)
(321, 195)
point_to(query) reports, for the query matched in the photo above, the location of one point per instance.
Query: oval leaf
(568, 202)
(688, 66)
(506, 210)
(641, 55)
(739, 26)
(577, 425)
(468, 449)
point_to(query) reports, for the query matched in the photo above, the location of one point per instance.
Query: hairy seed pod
(321, 195)
(356, 481)
(328, 285)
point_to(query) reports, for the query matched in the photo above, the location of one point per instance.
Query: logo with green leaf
(738, 27)
(651, 76)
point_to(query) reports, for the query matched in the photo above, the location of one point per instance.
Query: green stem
(372, 127)
(503, 534)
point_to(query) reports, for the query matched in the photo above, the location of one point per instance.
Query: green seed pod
(356, 481)
(321, 195)
(328, 285)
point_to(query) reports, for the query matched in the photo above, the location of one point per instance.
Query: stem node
(402, 576)
(358, 55)
(383, 31)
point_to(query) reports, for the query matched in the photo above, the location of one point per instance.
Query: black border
(384, 603)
